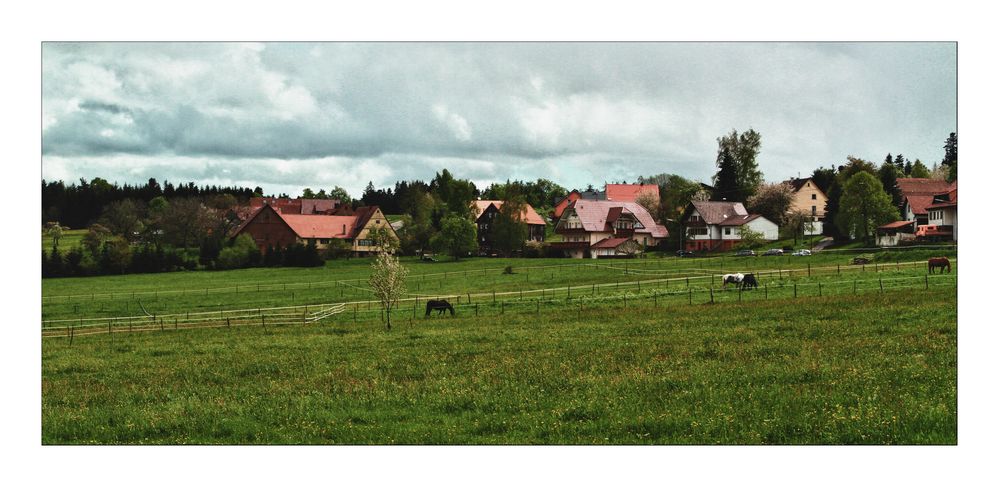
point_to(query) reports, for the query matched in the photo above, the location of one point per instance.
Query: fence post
(809, 269)
(766, 293)
(712, 291)
(227, 323)
(837, 269)
(927, 281)
(881, 284)
(690, 296)
(503, 308)
(740, 294)
(568, 292)
(854, 286)
(820, 289)
(476, 309)
(538, 308)
(494, 297)
(795, 290)
(175, 324)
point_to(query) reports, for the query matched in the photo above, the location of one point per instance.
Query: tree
(743, 148)
(123, 218)
(509, 230)
(919, 170)
(889, 174)
(308, 194)
(241, 253)
(727, 179)
(772, 201)
(863, 206)
(823, 178)
(650, 202)
(185, 221)
(388, 283)
(749, 238)
(96, 235)
(116, 255)
(337, 248)
(900, 163)
(54, 232)
(845, 172)
(384, 239)
(338, 193)
(456, 238)
(950, 156)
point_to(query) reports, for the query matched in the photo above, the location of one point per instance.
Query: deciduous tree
(509, 230)
(388, 283)
(772, 201)
(456, 238)
(864, 206)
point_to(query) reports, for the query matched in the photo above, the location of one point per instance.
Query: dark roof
(797, 183)
(715, 212)
(736, 220)
(945, 200)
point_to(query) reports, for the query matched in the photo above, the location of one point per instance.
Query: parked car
(774, 252)
(801, 253)
(745, 253)
(684, 253)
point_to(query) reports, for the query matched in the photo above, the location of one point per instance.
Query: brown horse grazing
(940, 262)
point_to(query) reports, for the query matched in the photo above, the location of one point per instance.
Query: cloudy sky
(286, 116)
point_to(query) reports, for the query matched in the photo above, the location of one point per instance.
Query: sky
(285, 116)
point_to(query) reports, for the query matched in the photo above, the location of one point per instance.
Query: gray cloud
(574, 112)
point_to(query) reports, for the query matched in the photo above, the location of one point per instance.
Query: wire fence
(634, 266)
(686, 290)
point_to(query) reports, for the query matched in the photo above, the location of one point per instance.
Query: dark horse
(440, 305)
(749, 280)
(940, 262)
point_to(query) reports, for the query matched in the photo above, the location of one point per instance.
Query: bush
(337, 249)
(242, 253)
(535, 249)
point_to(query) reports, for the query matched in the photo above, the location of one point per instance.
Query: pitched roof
(610, 243)
(897, 224)
(311, 206)
(593, 216)
(945, 200)
(715, 212)
(737, 220)
(629, 192)
(321, 226)
(918, 192)
(529, 216)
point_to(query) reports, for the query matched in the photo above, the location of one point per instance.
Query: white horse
(732, 279)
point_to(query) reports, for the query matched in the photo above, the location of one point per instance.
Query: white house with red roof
(917, 194)
(604, 228)
(718, 225)
(942, 215)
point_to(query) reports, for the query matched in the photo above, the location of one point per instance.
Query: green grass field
(70, 239)
(594, 352)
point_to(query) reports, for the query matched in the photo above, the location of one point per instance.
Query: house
(717, 225)
(270, 227)
(942, 215)
(611, 192)
(917, 194)
(810, 199)
(485, 213)
(603, 228)
(892, 234)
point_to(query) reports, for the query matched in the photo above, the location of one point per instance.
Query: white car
(802, 252)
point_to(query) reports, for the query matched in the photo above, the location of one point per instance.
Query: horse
(940, 262)
(440, 305)
(749, 280)
(732, 279)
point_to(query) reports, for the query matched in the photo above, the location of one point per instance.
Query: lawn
(872, 368)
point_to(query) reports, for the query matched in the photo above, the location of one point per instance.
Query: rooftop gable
(594, 214)
(715, 212)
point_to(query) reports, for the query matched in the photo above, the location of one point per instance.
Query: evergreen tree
(900, 163)
(919, 170)
(743, 148)
(950, 156)
(726, 181)
(888, 175)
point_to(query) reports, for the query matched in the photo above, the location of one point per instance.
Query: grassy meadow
(646, 351)
(867, 369)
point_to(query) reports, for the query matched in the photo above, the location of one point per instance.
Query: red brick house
(270, 227)
(604, 228)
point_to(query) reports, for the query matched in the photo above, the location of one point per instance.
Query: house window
(813, 196)
(364, 243)
(728, 231)
(377, 222)
(813, 211)
(324, 241)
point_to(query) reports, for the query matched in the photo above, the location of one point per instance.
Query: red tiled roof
(629, 192)
(922, 186)
(593, 215)
(610, 243)
(897, 224)
(321, 226)
(919, 202)
(945, 200)
(529, 216)
(715, 212)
